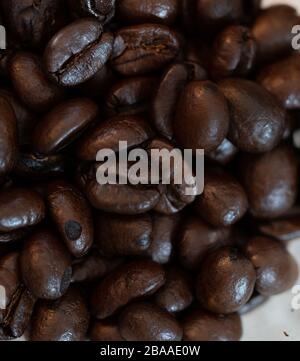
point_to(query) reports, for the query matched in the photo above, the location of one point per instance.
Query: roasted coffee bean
(202, 117)
(77, 52)
(201, 325)
(226, 281)
(105, 331)
(285, 229)
(130, 96)
(45, 265)
(103, 10)
(147, 322)
(270, 181)
(125, 284)
(176, 295)
(256, 120)
(282, 79)
(276, 269)
(31, 83)
(66, 122)
(66, 319)
(20, 208)
(8, 137)
(224, 154)
(14, 235)
(234, 52)
(272, 31)
(224, 201)
(145, 11)
(141, 49)
(72, 216)
(196, 238)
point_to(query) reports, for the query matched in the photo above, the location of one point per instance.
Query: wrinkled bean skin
(105, 331)
(125, 284)
(31, 83)
(8, 138)
(77, 52)
(145, 11)
(63, 124)
(72, 216)
(270, 181)
(103, 10)
(282, 79)
(257, 121)
(146, 322)
(141, 49)
(66, 319)
(20, 208)
(196, 238)
(201, 325)
(202, 117)
(276, 269)
(226, 281)
(176, 295)
(224, 201)
(45, 266)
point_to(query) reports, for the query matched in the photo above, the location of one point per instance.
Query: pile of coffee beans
(80, 260)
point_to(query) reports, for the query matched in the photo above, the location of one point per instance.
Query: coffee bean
(103, 10)
(105, 331)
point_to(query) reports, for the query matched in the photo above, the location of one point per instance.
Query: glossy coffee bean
(224, 154)
(176, 295)
(147, 322)
(226, 281)
(63, 124)
(276, 269)
(45, 265)
(195, 239)
(201, 325)
(20, 208)
(72, 217)
(270, 181)
(141, 49)
(224, 201)
(102, 10)
(282, 80)
(77, 52)
(256, 119)
(31, 82)
(283, 229)
(105, 331)
(202, 117)
(234, 52)
(129, 281)
(272, 31)
(130, 96)
(8, 137)
(66, 319)
(144, 11)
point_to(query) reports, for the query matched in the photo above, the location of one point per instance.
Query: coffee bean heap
(80, 260)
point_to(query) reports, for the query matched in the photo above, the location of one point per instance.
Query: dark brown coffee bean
(145, 11)
(14, 235)
(147, 322)
(66, 319)
(257, 121)
(224, 201)
(285, 229)
(125, 284)
(20, 208)
(202, 117)
(72, 216)
(63, 125)
(201, 325)
(234, 52)
(270, 181)
(276, 269)
(226, 281)
(141, 49)
(77, 52)
(31, 83)
(176, 295)
(196, 238)
(45, 265)
(224, 154)
(282, 79)
(103, 10)
(8, 137)
(105, 331)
